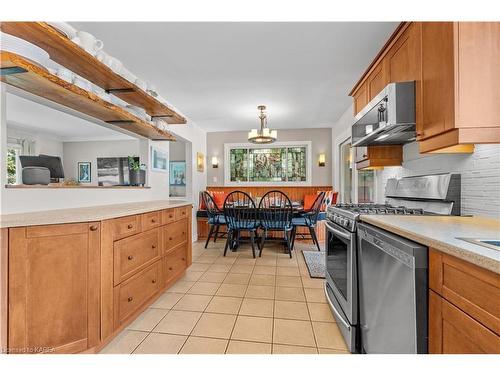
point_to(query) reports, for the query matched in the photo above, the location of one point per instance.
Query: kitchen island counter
(86, 214)
(443, 233)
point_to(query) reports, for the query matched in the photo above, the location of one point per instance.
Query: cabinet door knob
(130, 299)
(93, 228)
(153, 281)
(183, 258)
(170, 268)
(364, 155)
(170, 238)
(170, 216)
(153, 220)
(130, 226)
(153, 246)
(130, 257)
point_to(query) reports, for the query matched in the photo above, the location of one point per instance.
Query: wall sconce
(215, 162)
(322, 160)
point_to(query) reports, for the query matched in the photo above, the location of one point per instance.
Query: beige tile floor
(237, 305)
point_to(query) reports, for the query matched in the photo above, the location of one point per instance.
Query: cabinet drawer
(452, 331)
(175, 234)
(131, 294)
(126, 226)
(181, 213)
(168, 216)
(474, 290)
(132, 253)
(151, 220)
(175, 262)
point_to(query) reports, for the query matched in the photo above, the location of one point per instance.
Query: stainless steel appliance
(418, 195)
(392, 293)
(389, 118)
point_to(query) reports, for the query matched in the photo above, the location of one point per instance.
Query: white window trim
(19, 149)
(227, 167)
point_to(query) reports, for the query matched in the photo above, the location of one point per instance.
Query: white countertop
(441, 232)
(86, 214)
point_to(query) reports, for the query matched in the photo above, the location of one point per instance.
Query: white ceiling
(36, 118)
(217, 73)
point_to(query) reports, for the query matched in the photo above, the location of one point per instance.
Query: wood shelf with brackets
(63, 51)
(25, 75)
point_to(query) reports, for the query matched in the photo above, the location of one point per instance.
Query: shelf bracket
(112, 91)
(120, 122)
(12, 70)
(161, 116)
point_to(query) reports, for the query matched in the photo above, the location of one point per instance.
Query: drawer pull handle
(93, 228)
(130, 299)
(153, 281)
(130, 226)
(130, 257)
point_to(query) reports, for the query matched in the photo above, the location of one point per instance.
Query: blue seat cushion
(244, 226)
(217, 220)
(322, 216)
(271, 226)
(299, 221)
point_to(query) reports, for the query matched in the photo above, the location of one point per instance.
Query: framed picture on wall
(177, 173)
(200, 162)
(84, 172)
(159, 160)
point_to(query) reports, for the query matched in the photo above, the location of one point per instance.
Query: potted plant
(137, 171)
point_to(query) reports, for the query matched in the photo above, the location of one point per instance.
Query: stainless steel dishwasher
(392, 275)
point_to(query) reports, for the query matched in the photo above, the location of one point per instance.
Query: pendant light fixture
(264, 134)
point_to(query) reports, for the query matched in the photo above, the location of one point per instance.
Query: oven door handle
(337, 313)
(337, 232)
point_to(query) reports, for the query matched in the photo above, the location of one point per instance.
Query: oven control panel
(344, 222)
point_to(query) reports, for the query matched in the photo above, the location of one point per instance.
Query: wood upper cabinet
(54, 288)
(455, 69)
(464, 307)
(378, 156)
(460, 80)
(360, 98)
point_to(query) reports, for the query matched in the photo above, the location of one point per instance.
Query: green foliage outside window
(11, 166)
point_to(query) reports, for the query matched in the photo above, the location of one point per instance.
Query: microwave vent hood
(389, 118)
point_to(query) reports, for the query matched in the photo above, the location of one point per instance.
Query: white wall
(44, 143)
(480, 171)
(74, 152)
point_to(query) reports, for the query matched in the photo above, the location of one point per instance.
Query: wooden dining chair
(241, 215)
(308, 219)
(215, 216)
(276, 212)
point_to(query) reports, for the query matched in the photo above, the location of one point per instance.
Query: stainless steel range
(352, 268)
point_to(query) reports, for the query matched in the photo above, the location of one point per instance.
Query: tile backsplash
(480, 175)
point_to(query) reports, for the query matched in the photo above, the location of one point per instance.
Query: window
(281, 163)
(13, 165)
(346, 171)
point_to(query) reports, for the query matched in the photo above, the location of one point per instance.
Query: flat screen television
(113, 171)
(53, 163)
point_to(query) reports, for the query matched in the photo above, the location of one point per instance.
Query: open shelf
(68, 54)
(25, 75)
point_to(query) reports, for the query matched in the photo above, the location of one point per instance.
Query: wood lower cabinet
(70, 288)
(464, 307)
(54, 288)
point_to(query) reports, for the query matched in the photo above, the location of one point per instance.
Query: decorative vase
(137, 177)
